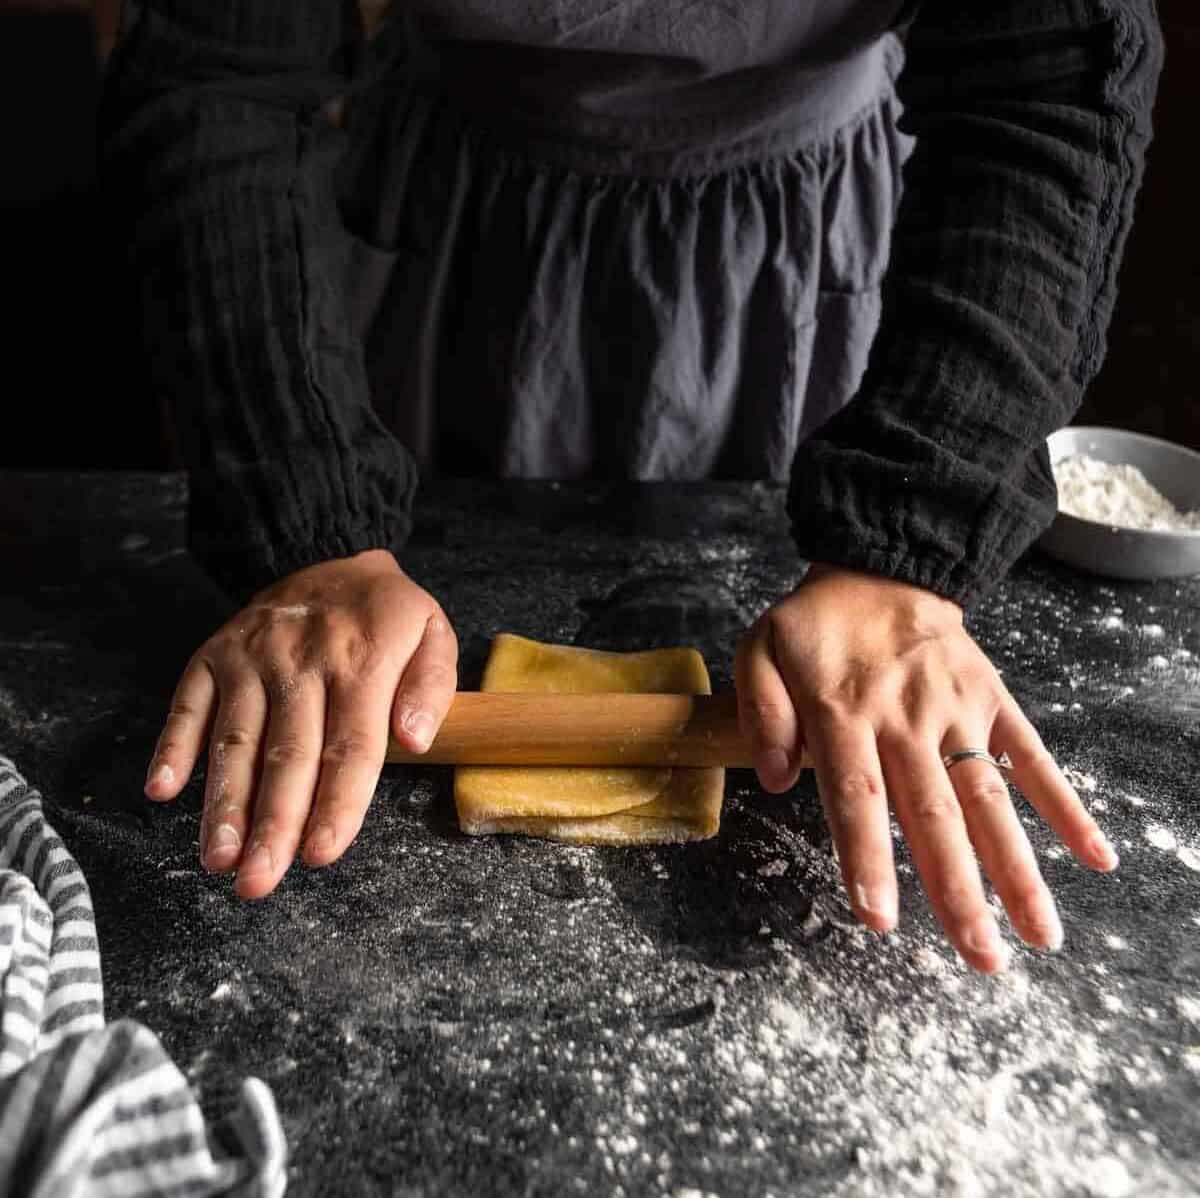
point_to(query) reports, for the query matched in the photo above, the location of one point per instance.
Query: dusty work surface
(438, 1015)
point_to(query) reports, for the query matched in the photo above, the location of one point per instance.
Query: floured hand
(295, 696)
(879, 680)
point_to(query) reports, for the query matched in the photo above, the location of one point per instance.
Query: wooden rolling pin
(494, 728)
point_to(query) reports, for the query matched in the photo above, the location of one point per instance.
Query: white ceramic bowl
(1128, 552)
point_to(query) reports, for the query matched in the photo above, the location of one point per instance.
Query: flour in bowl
(1117, 494)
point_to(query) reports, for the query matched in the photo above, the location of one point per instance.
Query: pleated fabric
(534, 306)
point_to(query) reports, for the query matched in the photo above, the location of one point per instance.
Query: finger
(936, 832)
(766, 713)
(232, 765)
(183, 733)
(1001, 843)
(850, 783)
(427, 686)
(351, 761)
(1041, 781)
(290, 767)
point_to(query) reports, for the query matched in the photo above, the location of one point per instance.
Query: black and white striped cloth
(89, 1108)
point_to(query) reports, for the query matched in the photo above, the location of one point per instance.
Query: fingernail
(320, 839)
(224, 836)
(161, 774)
(419, 725)
(1047, 929)
(257, 861)
(983, 936)
(876, 900)
(1101, 848)
(775, 763)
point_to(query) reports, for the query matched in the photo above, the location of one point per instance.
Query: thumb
(766, 713)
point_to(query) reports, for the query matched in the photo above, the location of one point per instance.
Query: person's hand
(295, 695)
(879, 680)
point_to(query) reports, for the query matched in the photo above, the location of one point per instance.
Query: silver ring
(1003, 763)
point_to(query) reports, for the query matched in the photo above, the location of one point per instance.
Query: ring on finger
(1003, 763)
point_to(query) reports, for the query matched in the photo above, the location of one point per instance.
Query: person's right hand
(295, 695)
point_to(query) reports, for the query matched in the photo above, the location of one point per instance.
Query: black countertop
(442, 1015)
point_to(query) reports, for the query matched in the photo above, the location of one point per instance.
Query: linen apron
(622, 239)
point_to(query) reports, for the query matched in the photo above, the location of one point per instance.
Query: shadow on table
(725, 901)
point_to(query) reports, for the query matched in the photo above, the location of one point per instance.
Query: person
(868, 249)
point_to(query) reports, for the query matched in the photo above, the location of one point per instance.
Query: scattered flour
(790, 1022)
(773, 869)
(1107, 1177)
(1084, 783)
(1117, 495)
(1189, 1008)
(902, 1074)
(1161, 838)
(290, 611)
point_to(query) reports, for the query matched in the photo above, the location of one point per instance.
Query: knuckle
(854, 789)
(982, 793)
(355, 654)
(764, 713)
(234, 738)
(282, 649)
(931, 806)
(182, 709)
(286, 751)
(346, 747)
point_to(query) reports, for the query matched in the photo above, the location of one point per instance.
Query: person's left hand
(878, 680)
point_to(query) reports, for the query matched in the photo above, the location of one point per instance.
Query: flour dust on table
(445, 1014)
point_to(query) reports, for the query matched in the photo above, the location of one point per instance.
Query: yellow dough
(590, 805)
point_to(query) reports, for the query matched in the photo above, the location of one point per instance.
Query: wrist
(859, 582)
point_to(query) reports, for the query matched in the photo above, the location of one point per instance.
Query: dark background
(72, 400)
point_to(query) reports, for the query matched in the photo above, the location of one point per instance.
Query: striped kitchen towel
(89, 1108)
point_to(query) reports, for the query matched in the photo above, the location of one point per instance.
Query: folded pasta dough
(591, 805)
